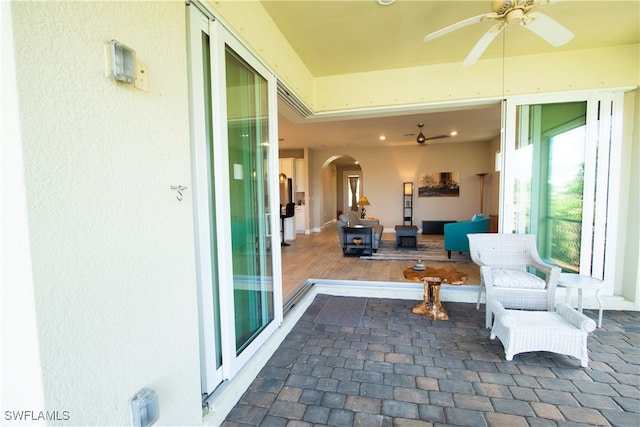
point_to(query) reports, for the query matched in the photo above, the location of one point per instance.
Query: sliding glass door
(549, 178)
(233, 121)
(556, 180)
(247, 130)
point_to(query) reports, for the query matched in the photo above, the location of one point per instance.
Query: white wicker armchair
(509, 272)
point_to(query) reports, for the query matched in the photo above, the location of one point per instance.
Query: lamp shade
(363, 201)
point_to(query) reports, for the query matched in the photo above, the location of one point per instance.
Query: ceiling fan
(506, 12)
(421, 139)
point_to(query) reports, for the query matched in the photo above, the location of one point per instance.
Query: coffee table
(432, 278)
(407, 237)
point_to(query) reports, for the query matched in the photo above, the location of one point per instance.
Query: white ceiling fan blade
(458, 25)
(483, 44)
(548, 29)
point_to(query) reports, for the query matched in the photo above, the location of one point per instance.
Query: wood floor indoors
(319, 256)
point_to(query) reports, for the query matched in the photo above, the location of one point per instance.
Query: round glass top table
(580, 282)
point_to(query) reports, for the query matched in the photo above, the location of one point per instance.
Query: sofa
(455, 233)
(352, 219)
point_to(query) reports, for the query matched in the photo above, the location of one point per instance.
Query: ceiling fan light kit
(507, 12)
(421, 139)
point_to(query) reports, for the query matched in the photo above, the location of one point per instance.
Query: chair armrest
(486, 276)
(501, 315)
(551, 272)
(542, 266)
(576, 318)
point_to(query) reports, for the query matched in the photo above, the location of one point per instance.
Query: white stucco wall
(112, 248)
(21, 372)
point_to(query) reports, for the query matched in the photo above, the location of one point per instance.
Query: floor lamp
(481, 175)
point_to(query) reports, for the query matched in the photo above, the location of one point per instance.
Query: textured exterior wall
(20, 362)
(112, 248)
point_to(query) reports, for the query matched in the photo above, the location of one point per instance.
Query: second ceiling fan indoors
(506, 12)
(421, 139)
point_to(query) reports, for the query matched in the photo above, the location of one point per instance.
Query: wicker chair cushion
(516, 279)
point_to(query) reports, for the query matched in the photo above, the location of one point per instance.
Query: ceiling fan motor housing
(505, 7)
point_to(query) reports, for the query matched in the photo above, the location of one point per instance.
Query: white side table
(573, 280)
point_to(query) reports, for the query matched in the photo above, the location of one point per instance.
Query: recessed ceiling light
(453, 133)
(382, 137)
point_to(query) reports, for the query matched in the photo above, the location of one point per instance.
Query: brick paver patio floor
(402, 369)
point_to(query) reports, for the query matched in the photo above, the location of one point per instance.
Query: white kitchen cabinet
(289, 229)
(300, 175)
(300, 215)
(287, 166)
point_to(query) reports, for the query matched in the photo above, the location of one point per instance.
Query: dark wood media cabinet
(434, 227)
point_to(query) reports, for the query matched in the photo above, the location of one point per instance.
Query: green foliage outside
(565, 222)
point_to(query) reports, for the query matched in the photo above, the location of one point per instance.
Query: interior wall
(112, 249)
(328, 205)
(386, 168)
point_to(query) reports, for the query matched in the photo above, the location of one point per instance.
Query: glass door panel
(545, 185)
(563, 219)
(247, 128)
(233, 109)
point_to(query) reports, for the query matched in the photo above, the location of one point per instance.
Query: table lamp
(362, 203)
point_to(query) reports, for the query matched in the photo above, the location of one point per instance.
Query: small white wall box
(145, 409)
(122, 62)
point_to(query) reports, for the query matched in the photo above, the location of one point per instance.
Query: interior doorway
(352, 189)
(349, 184)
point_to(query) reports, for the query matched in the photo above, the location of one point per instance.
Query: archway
(328, 192)
(341, 187)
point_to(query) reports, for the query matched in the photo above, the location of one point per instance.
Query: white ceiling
(339, 37)
(477, 123)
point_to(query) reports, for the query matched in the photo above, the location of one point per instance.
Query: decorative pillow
(516, 279)
(476, 217)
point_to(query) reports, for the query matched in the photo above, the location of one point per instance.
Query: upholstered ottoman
(563, 331)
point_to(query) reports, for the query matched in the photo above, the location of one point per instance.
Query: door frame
(601, 188)
(204, 182)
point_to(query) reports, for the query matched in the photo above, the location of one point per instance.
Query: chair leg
(479, 295)
(283, 243)
(449, 254)
(488, 318)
